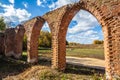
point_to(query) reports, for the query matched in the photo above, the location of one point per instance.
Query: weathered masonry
(107, 13)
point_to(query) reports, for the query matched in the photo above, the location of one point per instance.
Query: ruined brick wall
(2, 47)
(9, 41)
(13, 41)
(18, 41)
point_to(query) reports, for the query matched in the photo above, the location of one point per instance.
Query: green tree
(2, 24)
(45, 39)
(25, 42)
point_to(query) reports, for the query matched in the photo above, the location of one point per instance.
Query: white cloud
(11, 1)
(85, 37)
(12, 14)
(52, 5)
(60, 3)
(25, 4)
(39, 2)
(85, 21)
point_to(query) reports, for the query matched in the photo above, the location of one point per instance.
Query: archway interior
(85, 38)
(45, 42)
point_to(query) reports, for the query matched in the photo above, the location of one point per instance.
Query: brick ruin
(107, 13)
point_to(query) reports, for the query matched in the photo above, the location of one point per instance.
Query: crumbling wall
(2, 47)
(13, 41)
(9, 41)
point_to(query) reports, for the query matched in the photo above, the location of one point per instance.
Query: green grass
(14, 67)
(90, 53)
(77, 52)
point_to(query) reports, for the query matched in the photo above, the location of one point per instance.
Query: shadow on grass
(83, 70)
(11, 67)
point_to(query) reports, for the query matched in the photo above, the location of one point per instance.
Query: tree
(2, 24)
(98, 42)
(25, 42)
(67, 43)
(45, 39)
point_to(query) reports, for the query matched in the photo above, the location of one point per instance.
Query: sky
(84, 27)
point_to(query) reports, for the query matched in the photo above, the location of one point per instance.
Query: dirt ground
(89, 62)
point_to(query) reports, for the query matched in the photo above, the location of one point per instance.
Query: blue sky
(84, 27)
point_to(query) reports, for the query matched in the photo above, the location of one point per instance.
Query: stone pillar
(19, 30)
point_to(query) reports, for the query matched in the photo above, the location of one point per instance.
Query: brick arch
(110, 21)
(32, 31)
(107, 13)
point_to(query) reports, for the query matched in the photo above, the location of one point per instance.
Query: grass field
(77, 52)
(91, 53)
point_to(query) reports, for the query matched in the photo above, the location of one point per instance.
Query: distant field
(90, 51)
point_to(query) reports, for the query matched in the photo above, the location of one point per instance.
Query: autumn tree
(98, 42)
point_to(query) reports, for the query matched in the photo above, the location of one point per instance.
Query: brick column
(112, 53)
(59, 52)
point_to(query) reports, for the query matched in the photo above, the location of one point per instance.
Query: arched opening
(44, 47)
(85, 49)
(84, 29)
(66, 19)
(37, 41)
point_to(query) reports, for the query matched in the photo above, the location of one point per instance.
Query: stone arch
(108, 18)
